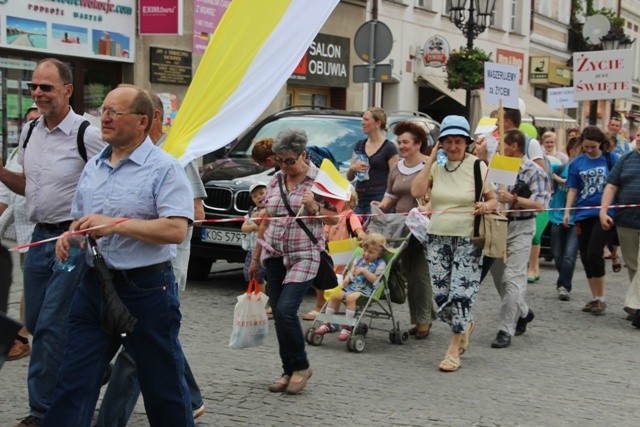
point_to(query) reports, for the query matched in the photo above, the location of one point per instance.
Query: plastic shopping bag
(418, 224)
(250, 322)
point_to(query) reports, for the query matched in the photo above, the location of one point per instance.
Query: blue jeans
(47, 296)
(153, 300)
(564, 246)
(285, 302)
(123, 391)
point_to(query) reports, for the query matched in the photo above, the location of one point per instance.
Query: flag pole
(503, 206)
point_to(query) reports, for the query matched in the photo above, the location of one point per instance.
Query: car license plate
(214, 235)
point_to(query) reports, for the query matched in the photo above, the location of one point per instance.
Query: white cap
(254, 186)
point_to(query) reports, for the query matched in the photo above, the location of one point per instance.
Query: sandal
(420, 335)
(466, 339)
(449, 364)
(311, 315)
(616, 266)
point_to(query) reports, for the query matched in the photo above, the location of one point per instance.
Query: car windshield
(338, 134)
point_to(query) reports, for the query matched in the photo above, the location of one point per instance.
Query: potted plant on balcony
(465, 68)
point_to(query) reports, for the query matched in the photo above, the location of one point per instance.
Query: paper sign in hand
(486, 125)
(503, 169)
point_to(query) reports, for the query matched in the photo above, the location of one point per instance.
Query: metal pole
(372, 57)
(372, 66)
(469, 27)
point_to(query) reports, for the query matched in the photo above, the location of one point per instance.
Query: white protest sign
(602, 74)
(501, 82)
(561, 97)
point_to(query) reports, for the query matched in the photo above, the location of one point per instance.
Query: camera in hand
(521, 189)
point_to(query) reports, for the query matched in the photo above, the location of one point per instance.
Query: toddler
(250, 227)
(357, 282)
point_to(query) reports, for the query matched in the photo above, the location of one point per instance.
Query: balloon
(529, 129)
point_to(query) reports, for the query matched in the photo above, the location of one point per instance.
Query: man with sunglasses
(52, 167)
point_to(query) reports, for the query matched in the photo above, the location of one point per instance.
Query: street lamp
(614, 40)
(471, 22)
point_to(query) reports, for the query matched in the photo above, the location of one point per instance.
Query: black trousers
(5, 278)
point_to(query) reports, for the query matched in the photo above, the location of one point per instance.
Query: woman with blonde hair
(381, 156)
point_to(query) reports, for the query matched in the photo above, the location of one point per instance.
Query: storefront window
(97, 83)
(15, 99)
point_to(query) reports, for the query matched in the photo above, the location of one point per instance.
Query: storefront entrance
(92, 81)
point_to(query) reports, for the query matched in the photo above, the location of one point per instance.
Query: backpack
(318, 154)
(79, 138)
(397, 284)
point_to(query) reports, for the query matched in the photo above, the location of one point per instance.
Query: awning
(536, 110)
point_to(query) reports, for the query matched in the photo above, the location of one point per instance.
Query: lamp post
(471, 21)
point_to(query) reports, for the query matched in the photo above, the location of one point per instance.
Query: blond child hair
(374, 240)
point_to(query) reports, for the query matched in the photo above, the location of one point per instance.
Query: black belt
(64, 226)
(521, 218)
(143, 271)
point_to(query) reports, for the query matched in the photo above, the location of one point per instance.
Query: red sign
(159, 17)
(509, 57)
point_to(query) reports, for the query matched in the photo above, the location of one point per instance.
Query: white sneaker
(563, 294)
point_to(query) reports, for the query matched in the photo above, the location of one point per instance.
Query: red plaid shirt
(284, 237)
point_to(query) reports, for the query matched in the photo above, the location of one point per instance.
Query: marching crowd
(136, 205)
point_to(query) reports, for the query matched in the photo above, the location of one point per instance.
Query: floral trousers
(455, 266)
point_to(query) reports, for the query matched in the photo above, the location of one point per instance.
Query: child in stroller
(357, 282)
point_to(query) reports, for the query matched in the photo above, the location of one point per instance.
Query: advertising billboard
(96, 29)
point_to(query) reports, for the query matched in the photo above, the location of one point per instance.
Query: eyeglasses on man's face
(43, 87)
(111, 113)
(288, 162)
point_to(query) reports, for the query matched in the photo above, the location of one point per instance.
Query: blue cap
(454, 125)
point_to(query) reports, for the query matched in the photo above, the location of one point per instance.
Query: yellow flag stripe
(243, 30)
(505, 163)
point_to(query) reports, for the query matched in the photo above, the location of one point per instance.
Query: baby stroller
(376, 306)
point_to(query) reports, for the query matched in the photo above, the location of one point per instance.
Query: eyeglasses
(43, 87)
(288, 162)
(111, 113)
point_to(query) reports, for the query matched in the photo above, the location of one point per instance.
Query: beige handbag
(489, 230)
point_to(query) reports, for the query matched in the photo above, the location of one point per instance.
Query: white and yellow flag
(252, 53)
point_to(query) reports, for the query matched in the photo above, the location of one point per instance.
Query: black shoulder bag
(325, 277)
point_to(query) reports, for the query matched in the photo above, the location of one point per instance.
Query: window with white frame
(516, 19)
(426, 4)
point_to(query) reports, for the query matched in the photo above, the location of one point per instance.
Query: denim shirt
(148, 184)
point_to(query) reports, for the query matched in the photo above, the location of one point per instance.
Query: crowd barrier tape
(68, 233)
(223, 220)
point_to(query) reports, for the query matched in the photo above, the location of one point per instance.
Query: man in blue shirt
(130, 178)
(623, 185)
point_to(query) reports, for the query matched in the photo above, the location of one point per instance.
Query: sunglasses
(289, 162)
(43, 87)
(111, 113)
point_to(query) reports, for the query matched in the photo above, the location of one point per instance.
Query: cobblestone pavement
(570, 368)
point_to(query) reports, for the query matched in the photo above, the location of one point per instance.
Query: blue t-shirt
(559, 199)
(589, 177)
(360, 283)
(626, 176)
